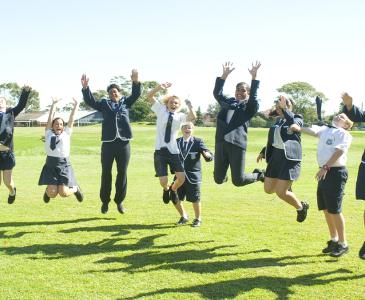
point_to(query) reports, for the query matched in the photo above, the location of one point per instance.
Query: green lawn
(249, 246)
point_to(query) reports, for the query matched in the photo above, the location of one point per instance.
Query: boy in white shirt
(168, 124)
(333, 145)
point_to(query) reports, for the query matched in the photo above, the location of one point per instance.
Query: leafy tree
(303, 95)
(199, 117)
(12, 92)
(213, 110)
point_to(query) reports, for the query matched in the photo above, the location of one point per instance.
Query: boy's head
(2, 104)
(58, 125)
(114, 92)
(342, 121)
(187, 129)
(242, 91)
(173, 103)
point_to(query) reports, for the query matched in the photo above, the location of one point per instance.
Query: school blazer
(7, 120)
(355, 114)
(114, 120)
(235, 132)
(291, 139)
(191, 158)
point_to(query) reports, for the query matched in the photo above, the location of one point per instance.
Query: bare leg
(180, 208)
(197, 210)
(8, 181)
(339, 222)
(331, 225)
(65, 191)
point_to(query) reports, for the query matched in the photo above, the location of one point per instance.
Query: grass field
(249, 246)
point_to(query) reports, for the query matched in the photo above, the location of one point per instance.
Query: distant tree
(12, 91)
(199, 117)
(213, 110)
(304, 96)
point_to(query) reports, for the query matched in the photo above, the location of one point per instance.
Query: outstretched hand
(165, 85)
(227, 69)
(55, 100)
(254, 68)
(282, 103)
(346, 99)
(75, 102)
(134, 75)
(84, 81)
(27, 88)
(260, 157)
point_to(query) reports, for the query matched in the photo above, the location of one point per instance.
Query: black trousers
(119, 151)
(229, 155)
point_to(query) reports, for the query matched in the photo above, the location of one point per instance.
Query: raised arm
(191, 113)
(52, 111)
(152, 93)
(24, 96)
(88, 96)
(219, 83)
(253, 70)
(136, 89)
(353, 112)
(252, 105)
(295, 122)
(70, 122)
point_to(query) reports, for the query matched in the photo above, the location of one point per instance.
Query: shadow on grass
(120, 229)
(3, 234)
(61, 251)
(59, 222)
(280, 286)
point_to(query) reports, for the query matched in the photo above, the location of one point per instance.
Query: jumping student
(191, 149)
(232, 122)
(283, 154)
(357, 115)
(57, 173)
(168, 124)
(333, 145)
(7, 157)
(115, 137)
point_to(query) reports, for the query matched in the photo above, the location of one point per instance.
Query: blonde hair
(167, 98)
(188, 123)
(348, 122)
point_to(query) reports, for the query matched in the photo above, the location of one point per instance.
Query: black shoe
(339, 250)
(362, 252)
(302, 214)
(331, 245)
(182, 221)
(174, 197)
(196, 223)
(79, 195)
(46, 197)
(104, 207)
(11, 199)
(120, 208)
(166, 196)
(260, 174)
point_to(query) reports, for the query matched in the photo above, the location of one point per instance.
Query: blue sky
(49, 44)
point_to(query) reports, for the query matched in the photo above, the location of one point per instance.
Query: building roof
(42, 116)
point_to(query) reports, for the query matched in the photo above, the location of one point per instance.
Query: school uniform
(283, 151)
(356, 115)
(57, 169)
(190, 153)
(7, 157)
(167, 152)
(231, 134)
(115, 136)
(330, 190)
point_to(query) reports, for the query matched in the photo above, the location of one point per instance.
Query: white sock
(343, 244)
(334, 239)
(12, 194)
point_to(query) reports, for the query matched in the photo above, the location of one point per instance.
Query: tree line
(302, 93)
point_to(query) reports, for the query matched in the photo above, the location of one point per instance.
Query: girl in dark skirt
(283, 155)
(57, 172)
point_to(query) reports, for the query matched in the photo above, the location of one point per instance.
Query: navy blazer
(7, 120)
(236, 131)
(291, 139)
(115, 120)
(355, 114)
(191, 158)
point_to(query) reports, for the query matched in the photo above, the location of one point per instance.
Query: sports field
(249, 245)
